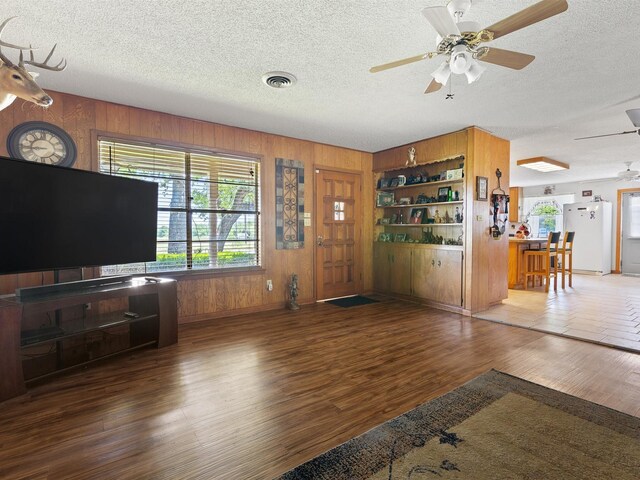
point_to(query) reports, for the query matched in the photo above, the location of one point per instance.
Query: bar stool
(543, 263)
(566, 251)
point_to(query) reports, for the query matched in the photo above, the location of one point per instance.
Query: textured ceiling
(205, 59)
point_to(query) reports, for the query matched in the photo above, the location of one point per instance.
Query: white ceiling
(205, 59)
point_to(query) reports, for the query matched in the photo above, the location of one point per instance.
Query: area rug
(351, 301)
(494, 427)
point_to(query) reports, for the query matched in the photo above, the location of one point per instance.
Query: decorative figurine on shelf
(429, 237)
(437, 218)
(456, 196)
(411, 158)
(447, 217)
(293, 293)
(458, 215)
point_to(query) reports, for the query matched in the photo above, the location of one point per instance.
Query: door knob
(319, 241)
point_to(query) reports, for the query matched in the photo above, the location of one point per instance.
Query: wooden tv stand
(155, 323)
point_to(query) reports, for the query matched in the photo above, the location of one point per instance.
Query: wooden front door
(338, 227)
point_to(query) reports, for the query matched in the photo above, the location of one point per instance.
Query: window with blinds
(208, 205)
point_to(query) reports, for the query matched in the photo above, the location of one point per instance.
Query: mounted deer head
(16, 82)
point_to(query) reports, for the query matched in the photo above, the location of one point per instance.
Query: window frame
(557, 200)
(101, 135)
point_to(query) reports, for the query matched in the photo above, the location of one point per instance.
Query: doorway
(338, 234)
(630, 234)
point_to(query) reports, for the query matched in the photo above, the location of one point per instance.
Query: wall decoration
(17, 82)
(43, 143)
(587, 193)
(482, 188)
(289, 204)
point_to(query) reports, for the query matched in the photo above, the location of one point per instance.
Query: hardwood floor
(600, 309)
(251, 397)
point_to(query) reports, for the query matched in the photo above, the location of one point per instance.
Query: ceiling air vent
(278, 79)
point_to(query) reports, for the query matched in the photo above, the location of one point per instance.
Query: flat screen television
(54, 218)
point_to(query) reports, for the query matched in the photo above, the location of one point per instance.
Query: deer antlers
(57, 68)
(44, 65)
(5, 44)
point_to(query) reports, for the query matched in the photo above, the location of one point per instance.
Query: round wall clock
(42, 142)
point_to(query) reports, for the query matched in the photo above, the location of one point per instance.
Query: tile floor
(603, 310)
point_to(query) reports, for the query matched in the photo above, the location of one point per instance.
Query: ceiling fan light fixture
(543, 164)
(460, 59)
(475, 71)
(457, 8)
(629, 175)
(442, 73)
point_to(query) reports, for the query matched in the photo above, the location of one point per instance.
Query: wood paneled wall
(487, 259)
(203, 297)
(427, 151)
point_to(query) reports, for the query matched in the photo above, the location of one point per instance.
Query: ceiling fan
(634, 116)
(629, 175)
(460, 41)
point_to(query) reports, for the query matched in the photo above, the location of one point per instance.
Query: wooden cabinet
(420, 230)
(37, 339)
(400, 271)
(392, 268)
(515, 197)
(431, 273)
(381, 266)
(436, 275)
(478, 263)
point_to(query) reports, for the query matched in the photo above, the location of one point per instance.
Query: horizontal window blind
(208, 205)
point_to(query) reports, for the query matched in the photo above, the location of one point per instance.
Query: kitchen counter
(517, 247)
(527, 240)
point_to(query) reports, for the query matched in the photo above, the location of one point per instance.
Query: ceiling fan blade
(507, 58)
(608, 135)
(634, 116)
(434, 86)
(534, 14)
(441, 20)
(398, 63)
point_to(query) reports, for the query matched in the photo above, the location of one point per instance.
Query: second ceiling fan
(461, 42)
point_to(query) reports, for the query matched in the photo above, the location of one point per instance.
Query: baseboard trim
(239, 311)
(428, 303)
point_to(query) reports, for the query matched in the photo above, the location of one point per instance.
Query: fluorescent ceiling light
(543, 164)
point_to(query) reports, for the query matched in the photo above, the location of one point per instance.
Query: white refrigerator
(592, 224)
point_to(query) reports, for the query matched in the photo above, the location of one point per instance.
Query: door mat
(351, 301)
